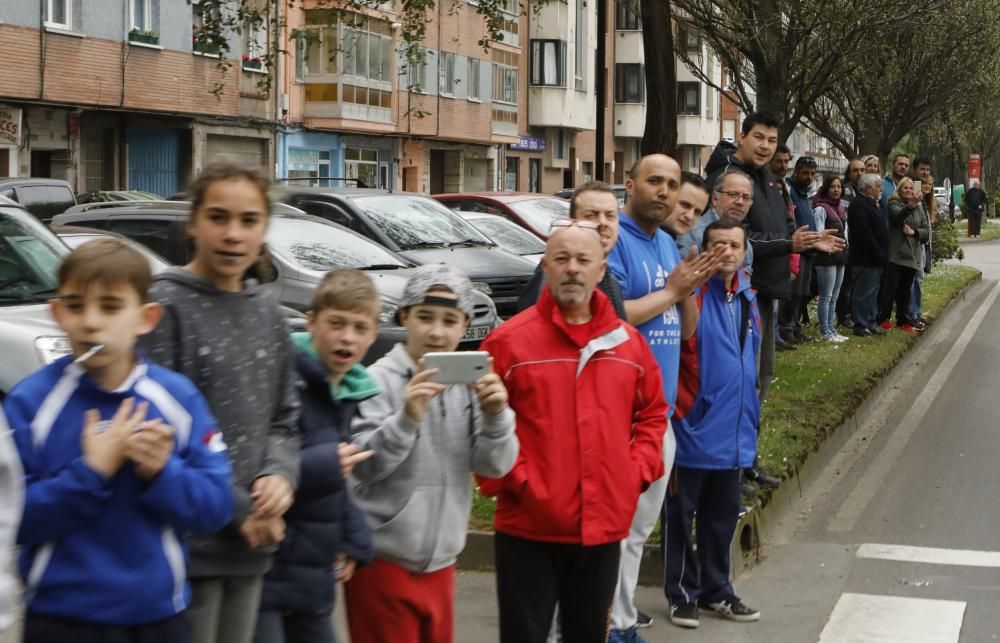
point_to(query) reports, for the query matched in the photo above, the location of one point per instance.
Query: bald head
(573, 265)
(653, 185)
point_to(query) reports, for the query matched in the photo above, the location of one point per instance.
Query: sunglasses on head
(567, 223)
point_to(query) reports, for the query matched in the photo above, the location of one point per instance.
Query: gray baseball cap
(426, 277)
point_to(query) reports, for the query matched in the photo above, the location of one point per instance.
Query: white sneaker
(837, 337)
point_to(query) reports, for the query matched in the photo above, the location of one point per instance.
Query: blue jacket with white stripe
(112, 550)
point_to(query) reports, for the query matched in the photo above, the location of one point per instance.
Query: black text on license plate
(475, 333)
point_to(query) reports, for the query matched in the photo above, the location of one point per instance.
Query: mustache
(571, 281)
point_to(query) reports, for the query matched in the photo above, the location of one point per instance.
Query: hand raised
(420, 390)
(150, 447)
(350, 455)
(491, 392)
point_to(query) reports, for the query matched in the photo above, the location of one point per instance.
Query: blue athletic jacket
(113, 550)
(717, 406)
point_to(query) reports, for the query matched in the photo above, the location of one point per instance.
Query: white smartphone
(463, 367)
(918, 188)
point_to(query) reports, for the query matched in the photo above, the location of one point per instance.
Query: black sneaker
(731, 608)
(684, 615)
(644, 620)
(755, 474)
(863, 332)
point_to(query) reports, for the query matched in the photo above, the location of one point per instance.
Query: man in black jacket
(869, 241)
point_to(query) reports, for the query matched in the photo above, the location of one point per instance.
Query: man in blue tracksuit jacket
(102, 551)
(716, 429)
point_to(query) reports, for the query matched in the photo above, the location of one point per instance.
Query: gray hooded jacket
(236, 349)
(415, 491)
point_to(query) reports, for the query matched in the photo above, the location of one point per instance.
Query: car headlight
(482, 287)
(388, 313)
(52, 348)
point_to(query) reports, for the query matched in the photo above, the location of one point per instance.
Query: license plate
(475, 333)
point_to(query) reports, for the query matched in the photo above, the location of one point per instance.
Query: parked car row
(312, 230)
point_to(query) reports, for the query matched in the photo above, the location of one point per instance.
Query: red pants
(389, 604)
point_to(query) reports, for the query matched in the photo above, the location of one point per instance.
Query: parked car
(506, 234)
(43, 198)
(302, 249)
(76, 236)
(30, 255)
(423, 231)
(103, 196)
(533, 212)
(619, 189)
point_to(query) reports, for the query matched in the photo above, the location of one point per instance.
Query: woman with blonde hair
(908, 231)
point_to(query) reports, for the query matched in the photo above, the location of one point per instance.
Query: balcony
(560, 107)
(337, 100)
(629, 47)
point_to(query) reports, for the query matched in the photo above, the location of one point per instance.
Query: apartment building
(113, 94)
(357, 108)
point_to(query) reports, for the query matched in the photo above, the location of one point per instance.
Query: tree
(781, 54)
(660, 134)
(921, 72)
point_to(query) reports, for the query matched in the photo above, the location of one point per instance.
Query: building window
(474, 78)
(207, 19)
(446, 73)
(561, 150)
(548, 62)
(688, 38)
(534, 175)
(689, 98)
(580, 46)
(630, 83)
(627, 16)
(588, 171)
(416, 73)
(510, 174)
(142, 15)
(361, 163)
(254, 45)
(505, 76)
(368, 50)
(59, 13)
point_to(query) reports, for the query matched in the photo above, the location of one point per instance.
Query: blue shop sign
(529, 144)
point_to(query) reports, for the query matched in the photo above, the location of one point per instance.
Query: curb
(752, 528)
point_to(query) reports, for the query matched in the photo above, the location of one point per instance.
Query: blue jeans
(864, 299)
(294, 627)
(915, 302)
(828, 280)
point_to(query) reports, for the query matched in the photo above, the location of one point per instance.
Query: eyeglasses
(567, 223)
(736, 196)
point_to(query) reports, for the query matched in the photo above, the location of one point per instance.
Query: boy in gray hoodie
(415, 491)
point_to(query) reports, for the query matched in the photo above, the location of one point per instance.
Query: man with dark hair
(716, 419)
(779, 162)
(769, 231)
(798, 190)
(922, 172)
(975, 202)
(855, 168)
(900, 168)
(691, 203)
(594, 201)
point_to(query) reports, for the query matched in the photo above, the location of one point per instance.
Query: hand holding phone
(464, 367)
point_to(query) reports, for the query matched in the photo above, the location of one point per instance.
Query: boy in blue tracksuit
(121, 459)
(326, 534)
(715, 423)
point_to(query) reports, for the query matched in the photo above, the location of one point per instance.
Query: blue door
(154, 160)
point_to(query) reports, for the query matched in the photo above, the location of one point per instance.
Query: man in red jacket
(590, 418)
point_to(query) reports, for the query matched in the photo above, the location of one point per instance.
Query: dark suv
(43, 198)
(302, 249)
(422, 230)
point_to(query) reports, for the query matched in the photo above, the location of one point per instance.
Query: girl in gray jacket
(415, 491)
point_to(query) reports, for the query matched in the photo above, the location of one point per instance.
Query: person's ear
(310, 321)
(152, 313)
(55, 309)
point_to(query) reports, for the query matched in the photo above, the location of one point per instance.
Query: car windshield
(315, 245)
(509, 236)
(419, 222)
(29, 259)
(540, 213)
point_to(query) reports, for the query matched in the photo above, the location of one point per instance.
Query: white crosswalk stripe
(866, 618)
(930, 555)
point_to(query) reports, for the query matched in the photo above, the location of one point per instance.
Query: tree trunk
(660, 134)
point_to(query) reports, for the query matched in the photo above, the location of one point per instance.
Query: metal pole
(601, 78)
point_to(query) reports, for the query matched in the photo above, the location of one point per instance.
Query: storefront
(370, 159)
(10, 139)
(306, 157)
(523, 165)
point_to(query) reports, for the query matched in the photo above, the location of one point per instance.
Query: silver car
(29, 259)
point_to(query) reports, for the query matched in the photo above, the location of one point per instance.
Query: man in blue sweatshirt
(122, 461)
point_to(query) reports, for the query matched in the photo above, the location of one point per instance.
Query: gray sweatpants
(224, 610)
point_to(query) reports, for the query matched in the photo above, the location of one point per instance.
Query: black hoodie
(767, 225)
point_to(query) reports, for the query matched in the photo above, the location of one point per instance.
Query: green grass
(990, 230)
(817, 387)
